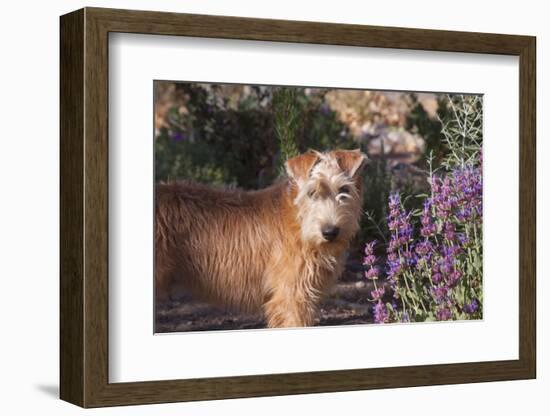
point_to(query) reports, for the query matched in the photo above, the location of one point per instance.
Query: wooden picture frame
(84, 207)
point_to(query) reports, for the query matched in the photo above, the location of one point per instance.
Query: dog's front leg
(288, 308)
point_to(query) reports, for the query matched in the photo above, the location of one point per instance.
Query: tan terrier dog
(277, 249)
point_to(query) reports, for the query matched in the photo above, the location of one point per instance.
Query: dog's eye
(312, 193)
(344, 190)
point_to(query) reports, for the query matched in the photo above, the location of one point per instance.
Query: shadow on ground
(51, 390)
(347, 304)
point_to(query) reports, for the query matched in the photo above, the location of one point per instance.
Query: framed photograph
(255, 207)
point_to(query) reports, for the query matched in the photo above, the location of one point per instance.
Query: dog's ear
(351, 161)
(299, 167)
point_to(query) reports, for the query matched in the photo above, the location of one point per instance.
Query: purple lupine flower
(392, 257)
(446, 265)
(443, 208)
(395, 204)
(453, 278)
(393, 225)
(424, 248)
(381, 314)
(436, 277)
(369, 260)
(443, 314)
(405, 230)
(463, 239)
(394, 217)
(471, 307)
(428, 226)
(449, 231)
(443, 198)
(428, 230)
(451, 251)
(435, 272)
(479, 211)
(435, 184)
(426, 212)
(464, 214)
(372, 273)
(369, 248)
(446, 187)
(462, 183)
(395, 267)
(178, 136)
(393, 285)
(469, 190)
(377, 294)
(393, 245)
(424, 251)
(409, 256)
(440, 293)
(399, 222)
(455, 205)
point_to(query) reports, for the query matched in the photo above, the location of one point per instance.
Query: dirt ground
(347, 304)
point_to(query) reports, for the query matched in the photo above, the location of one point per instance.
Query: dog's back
(214, 242)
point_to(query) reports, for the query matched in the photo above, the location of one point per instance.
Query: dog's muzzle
(330, 232)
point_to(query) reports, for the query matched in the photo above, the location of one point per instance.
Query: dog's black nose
(330, 232)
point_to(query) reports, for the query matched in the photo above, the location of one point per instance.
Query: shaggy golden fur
(277, 249)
